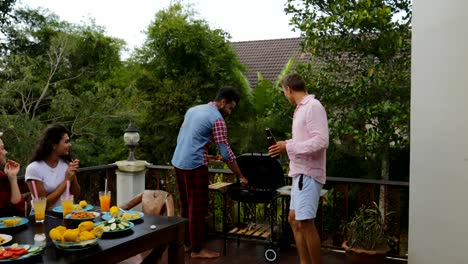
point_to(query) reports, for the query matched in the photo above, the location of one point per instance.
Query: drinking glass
(39, 209)
(39, 235)
(104, 200)
(67, 205)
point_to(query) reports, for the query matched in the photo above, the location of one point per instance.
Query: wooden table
(169, 231)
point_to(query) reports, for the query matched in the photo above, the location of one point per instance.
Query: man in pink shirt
(307, 162)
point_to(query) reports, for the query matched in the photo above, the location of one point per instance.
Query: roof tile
(268, 56)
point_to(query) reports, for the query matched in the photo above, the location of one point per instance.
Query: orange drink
(104, 200)
(67, 205)
(39, 209)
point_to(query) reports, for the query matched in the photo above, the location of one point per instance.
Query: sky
(243, 19)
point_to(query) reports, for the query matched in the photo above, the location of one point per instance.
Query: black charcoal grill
(265, 176)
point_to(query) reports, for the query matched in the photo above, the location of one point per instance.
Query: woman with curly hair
(51, 166)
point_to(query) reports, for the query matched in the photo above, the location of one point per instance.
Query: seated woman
(51, 166)
(11, 200)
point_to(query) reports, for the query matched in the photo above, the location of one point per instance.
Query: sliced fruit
(83, 204)
(34, 249)
(114, 211)
(98, 230)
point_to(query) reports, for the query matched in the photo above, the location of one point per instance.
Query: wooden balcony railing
(343, 197)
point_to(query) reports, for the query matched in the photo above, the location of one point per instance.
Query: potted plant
(366, 241)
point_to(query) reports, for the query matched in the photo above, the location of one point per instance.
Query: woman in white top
(51, 166)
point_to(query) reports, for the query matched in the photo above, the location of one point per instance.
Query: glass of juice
(104, 200)
(67, 205)
(39, 209)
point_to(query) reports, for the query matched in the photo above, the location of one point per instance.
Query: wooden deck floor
(251, 252)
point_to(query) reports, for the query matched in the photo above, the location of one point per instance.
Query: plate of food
(82, 216)
(5, 239)
(115, 225)
(18, 252)
(124, 215)
(76, 245)
(12, 221)
(82, 206)
(85, 236)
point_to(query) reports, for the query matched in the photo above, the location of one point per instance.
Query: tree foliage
(6, 7)
(55, 71)
(183, 62)
(361, 70)
(270, 110)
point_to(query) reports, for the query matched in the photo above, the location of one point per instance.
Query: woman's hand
(11, 169)
(72, 169)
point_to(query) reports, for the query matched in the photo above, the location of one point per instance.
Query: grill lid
(262, 171)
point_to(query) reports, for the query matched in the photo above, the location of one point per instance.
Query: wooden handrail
(161, 177)
(329, 178)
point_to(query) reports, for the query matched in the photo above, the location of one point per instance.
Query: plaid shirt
(219, 137)
(203, 125)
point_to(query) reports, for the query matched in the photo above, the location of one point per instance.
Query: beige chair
(154, 202)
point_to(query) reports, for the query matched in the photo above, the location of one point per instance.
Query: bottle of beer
(270, 138)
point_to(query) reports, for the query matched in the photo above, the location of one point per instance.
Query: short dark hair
(52, 134)
(294, 81)
(229, 94)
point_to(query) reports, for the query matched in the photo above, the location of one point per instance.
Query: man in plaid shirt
(202, 126)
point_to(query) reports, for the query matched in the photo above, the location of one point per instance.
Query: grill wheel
(270, 254)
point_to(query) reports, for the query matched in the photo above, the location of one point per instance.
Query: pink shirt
(308, 147)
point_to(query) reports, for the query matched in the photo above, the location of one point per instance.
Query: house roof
(268, 56)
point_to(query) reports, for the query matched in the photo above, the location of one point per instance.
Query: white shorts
(305, 202)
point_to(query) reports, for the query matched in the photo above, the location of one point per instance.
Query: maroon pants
(193, 194)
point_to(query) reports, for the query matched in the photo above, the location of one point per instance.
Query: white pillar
(438, 224)
(130, 180)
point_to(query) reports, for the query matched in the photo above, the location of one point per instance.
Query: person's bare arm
(235, 169)
(51, 198)
(11, 170)
(71, 176)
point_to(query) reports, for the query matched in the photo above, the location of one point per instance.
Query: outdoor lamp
(131, 138)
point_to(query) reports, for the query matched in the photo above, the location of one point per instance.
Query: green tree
(6, 7)
(270, 110)
(361, 72)
(183, 63)
(60, 72)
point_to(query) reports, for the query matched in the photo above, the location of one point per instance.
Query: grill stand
(265, 175)
(254, 230)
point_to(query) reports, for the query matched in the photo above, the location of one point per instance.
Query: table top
(113, 248)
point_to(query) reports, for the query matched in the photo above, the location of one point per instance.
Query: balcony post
(130, 180)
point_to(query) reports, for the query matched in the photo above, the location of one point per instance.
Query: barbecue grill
(265, 176)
